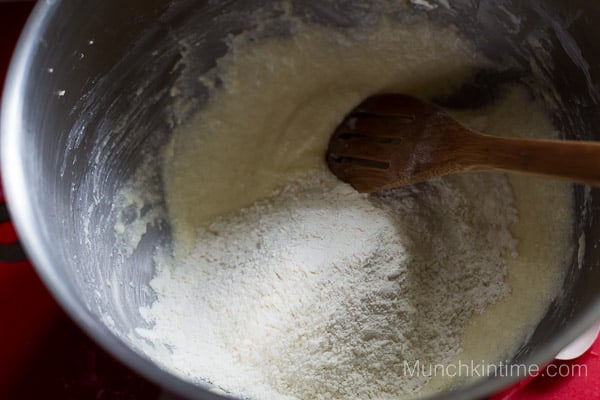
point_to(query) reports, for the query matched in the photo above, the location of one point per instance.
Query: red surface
(43, 355)
(582, 380)
(7, 233)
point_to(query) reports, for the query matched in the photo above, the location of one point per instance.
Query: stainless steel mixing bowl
(89, 88)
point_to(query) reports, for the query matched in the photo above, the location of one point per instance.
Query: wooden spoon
(392, 140)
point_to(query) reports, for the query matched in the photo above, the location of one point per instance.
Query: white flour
(287, 284)
(320, 292)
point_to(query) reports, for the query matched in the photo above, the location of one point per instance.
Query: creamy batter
(280, 101)
(266, 127)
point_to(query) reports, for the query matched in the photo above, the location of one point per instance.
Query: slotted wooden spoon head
(392, 140)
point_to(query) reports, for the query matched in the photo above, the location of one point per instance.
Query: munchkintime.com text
(483, 368)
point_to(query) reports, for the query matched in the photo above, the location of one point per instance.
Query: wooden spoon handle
(577, 161)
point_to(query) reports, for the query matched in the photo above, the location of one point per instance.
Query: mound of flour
(320, 292)
(287, 284)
